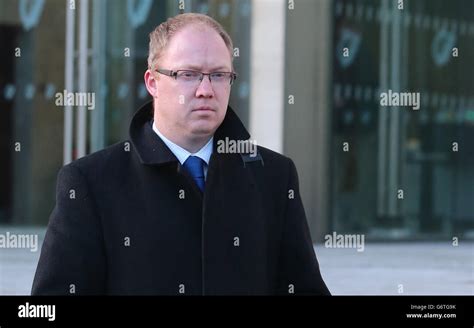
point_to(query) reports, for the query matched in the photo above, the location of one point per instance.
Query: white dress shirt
(182, 154)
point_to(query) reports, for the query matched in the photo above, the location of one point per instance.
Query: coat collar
(152, 150)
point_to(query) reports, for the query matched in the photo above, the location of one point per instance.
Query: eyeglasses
(190, 76)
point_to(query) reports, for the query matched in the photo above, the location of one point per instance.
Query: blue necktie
(195, 167)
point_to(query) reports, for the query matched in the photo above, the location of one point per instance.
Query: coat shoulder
(274, 159)
(102, 161)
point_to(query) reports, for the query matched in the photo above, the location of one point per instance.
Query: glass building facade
(407, 172)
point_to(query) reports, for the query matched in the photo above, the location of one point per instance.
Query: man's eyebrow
(199, 68)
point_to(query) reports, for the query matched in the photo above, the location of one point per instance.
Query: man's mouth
(203, 108)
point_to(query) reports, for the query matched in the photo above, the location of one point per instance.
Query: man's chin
(205, 125)
(203, 130)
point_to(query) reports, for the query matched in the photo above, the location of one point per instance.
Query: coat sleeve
(72, 260)
(298, 267)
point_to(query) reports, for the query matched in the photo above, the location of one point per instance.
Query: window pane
(31, 125)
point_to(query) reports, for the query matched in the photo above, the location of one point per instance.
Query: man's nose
(205, 88)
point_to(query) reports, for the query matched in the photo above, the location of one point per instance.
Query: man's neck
(192, 145)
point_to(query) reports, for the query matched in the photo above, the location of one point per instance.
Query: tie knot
(195, 166)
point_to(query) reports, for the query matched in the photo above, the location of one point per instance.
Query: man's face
(179, 111)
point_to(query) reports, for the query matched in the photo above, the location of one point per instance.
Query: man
(168, 213)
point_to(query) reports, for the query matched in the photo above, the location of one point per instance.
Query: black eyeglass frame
(174, 74)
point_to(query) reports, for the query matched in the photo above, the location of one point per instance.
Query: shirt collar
(182, 154)
(151, 150)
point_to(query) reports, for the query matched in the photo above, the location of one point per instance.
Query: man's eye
(218, 75)
(189, 74)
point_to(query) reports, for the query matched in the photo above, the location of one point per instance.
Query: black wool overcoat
(129, 220)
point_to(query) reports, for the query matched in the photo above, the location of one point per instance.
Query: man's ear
(150, 83)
